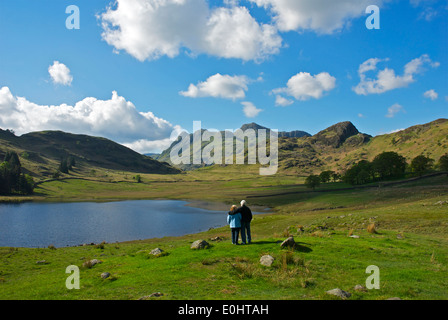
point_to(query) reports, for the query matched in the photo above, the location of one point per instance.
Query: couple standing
(239, 219)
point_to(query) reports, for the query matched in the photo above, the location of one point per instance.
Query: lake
(36, 224)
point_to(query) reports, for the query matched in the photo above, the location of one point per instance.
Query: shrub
(371, 228)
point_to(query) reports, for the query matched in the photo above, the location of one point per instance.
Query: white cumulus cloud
(250, 110)
(387, 79)
(321, 16)
(60, 74)
(116, 119)
(150, 29)
(282, 101)
(393, 110)
(219, 86)
(431, 94)
(304, 86)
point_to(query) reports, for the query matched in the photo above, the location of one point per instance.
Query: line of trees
(385, 166)
(12, 180)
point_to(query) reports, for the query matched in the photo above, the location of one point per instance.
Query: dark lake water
(70, 224)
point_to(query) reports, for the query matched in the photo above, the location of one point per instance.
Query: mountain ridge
(338, 146)
(43, 151)
(334, 148)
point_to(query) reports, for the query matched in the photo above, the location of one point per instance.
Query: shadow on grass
(263, 242)
(299, 246)
(302, 248)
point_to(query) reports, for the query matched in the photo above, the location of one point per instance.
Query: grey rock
(339, 293)
(91, 263)
(267, 260)
(359, 287)
(156, 251)
(394, 298)
(152, 295)
(41, 262)
(354, 236)
(156, 294)
(105, 275)
(200, 244)
(288, 243)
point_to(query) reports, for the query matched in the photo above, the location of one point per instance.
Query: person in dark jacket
(246, 218)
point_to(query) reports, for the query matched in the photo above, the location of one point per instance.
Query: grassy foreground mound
(408, 243)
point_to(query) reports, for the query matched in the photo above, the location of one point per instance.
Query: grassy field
(410, 245)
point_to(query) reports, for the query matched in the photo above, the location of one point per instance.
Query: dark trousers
(235, 234)
(245, 230)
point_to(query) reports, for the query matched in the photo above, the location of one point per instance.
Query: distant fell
(42, 151)
(337, 134)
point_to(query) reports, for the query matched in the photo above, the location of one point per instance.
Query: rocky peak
(336, 134)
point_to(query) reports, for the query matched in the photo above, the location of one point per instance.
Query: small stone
(359, 287)
(340, 293)
(152, 295)
(200, 244)
(41, 262)
(394, 298)
(105, 275)
(267, 260)
(354, 236)
(156, 251)
(156, 294)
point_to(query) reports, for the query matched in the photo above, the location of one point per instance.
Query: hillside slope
(341, 145)
(41, 152)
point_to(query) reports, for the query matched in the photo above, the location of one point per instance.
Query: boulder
(267, 260)
(105, 275)
(91, 263)
(288, 243)
(200, 244)
(156, 251)
(339, 293)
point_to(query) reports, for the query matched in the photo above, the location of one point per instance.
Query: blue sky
(134, 75)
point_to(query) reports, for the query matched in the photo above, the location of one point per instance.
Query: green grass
(413, 266)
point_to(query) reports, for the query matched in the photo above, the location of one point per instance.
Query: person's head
(243, 203)
(233, 208)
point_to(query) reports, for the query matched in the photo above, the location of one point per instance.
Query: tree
(12, 180)
(325, 176)
(71, 162)
(360, 173)
(443, 162)
(389, 165)
(64, 167)
(421, 164)
(312, 182)
(336, 176)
